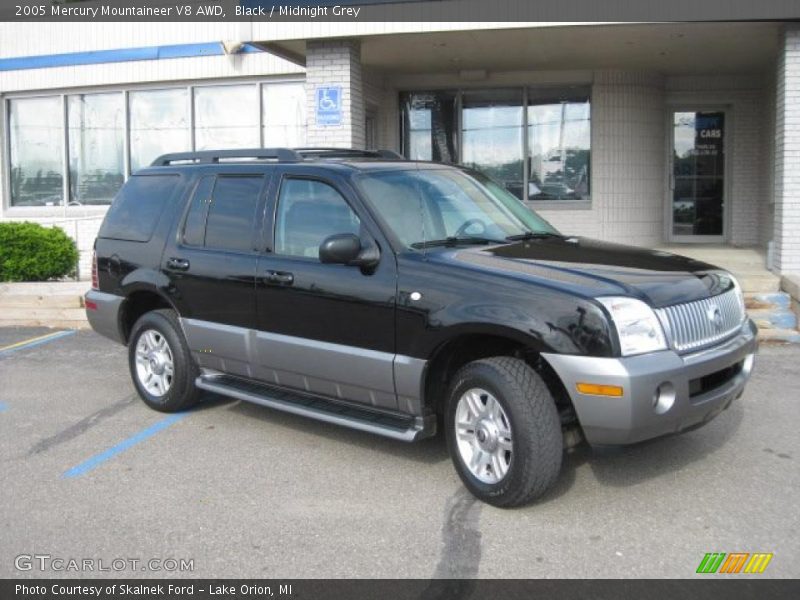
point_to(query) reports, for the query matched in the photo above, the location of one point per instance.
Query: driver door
(323, 328)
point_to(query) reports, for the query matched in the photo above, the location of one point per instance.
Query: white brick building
(649, 134)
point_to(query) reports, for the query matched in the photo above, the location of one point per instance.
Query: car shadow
(613, 466)
(625, 466)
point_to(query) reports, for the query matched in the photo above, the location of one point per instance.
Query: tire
(163, 336)
(525, 459)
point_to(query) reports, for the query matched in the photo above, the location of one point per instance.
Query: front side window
(96, 132)
(36, 143)
(308, 212)
(447, 205)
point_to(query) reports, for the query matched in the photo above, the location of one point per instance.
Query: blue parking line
(3, 407)
(38, 341)
(99, 459)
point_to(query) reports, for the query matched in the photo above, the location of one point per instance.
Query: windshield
(427, 206)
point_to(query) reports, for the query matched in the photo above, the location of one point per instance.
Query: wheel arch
(139, 299)
(467, 344)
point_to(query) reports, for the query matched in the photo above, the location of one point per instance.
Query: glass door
(697, 190)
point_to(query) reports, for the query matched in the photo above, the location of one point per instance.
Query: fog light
(663, 398)
(599, 389)
(747, 365)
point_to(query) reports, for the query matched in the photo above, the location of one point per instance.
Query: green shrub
(30, 252)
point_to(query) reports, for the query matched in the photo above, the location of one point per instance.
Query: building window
(536, 143)
(226, 116)
(159, 123)
(492, 136)
(429, 126)
(284, 114)
(96, 147)
(36, 133)
(87, 133)
(558, 146)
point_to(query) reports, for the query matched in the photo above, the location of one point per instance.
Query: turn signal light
(598, 389)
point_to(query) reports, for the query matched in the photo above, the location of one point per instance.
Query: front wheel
(503, 431)
(161, 366)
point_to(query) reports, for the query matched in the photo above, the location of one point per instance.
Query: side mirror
(346, 249)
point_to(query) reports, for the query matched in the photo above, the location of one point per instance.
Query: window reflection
(558, 147)
(492, 135)
(429, 123)
(226, 116)
(284, 114)
(159, 123)
(96, 138)
(36, 144)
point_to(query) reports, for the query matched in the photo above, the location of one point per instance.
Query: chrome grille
(693, 325)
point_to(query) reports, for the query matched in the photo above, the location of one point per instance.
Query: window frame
(64, 209)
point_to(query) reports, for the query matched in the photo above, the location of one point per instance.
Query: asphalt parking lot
(88, 472)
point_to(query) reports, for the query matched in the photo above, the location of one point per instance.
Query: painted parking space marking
(3, 407)
(37, 341)
(98, 459)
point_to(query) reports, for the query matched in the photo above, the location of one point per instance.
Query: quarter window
(308, 212)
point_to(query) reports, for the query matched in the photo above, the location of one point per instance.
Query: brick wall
(336, 63)
(787, 155)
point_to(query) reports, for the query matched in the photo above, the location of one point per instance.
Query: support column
(336, 63)
(787, 155)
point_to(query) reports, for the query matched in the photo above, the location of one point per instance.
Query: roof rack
(216, 156)
(325, 152)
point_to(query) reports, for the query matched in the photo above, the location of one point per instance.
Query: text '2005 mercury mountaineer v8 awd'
(401, 297)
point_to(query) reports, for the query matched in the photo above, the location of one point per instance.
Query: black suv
(397, 297)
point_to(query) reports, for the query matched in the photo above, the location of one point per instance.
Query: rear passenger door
(324, 328)
(211, 263)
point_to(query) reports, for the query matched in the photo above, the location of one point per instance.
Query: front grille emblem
(715, 316)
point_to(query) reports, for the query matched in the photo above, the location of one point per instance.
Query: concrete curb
(46, 303)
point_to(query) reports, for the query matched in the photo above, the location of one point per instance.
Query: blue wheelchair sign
(329, 105)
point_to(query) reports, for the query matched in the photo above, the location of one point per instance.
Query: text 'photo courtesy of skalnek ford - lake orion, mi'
(418, 299)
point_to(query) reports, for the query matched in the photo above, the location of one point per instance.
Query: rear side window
(135, 211)
(223, 213)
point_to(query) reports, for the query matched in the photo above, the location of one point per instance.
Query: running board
(393, 425)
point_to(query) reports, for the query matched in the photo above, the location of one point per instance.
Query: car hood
(593, 268)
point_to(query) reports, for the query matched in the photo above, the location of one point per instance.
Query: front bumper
(102, 311)
(663, 392)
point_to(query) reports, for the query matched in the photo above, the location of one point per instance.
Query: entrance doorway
(696, 201)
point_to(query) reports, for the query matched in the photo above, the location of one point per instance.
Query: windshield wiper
(456, 241)
(533, 235)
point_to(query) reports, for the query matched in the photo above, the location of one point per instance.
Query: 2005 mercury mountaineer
(398, 297)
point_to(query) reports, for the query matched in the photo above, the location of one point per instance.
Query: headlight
(739, 295)
(637, 325)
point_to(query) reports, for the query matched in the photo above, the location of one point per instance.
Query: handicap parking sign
(329, 105)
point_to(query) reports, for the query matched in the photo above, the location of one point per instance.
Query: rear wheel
(161, 365)
(503, 431)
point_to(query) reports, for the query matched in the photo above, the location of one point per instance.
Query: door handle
(178, 264)
(280, 277)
